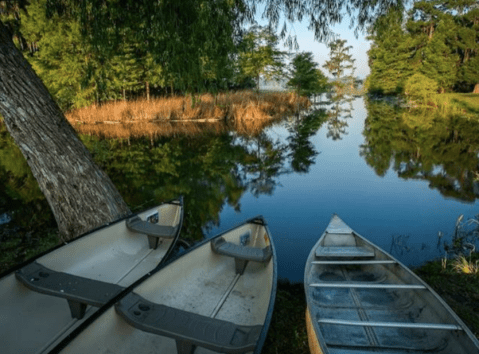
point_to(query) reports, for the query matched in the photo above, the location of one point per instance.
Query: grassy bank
(460, 290)
(465, 101)
(246, 111)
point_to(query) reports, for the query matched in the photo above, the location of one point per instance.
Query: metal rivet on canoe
(34, 279)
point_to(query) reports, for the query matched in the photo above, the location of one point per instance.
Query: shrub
(420, 88)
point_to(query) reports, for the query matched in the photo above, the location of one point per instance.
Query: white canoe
(362, 300)
(42, 301)
(216, 297)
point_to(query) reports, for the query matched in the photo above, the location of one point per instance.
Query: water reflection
(301, 129)
(339, 108)
(212, 168)
(423, 146)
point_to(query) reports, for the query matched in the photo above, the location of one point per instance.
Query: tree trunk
(80, 195)
(147, 91)
(476, 88)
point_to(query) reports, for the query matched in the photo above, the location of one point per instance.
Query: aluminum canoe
(362, 300)
(217, 297)
(43, 300)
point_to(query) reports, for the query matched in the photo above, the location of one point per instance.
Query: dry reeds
(247, 111)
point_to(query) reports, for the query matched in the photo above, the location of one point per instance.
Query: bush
(420, 88)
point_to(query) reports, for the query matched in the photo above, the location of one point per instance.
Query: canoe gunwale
(383, 255)
(258, 220)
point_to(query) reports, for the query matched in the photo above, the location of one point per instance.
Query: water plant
(464, 241)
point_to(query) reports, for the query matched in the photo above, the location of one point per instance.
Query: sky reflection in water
(342, 182)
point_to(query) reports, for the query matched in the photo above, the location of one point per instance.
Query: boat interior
(46, 299)
(361, 300)
(222, 307)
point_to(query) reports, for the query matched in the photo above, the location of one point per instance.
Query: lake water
(394, 177)
(378, 207)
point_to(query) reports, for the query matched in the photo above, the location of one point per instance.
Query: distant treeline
(438, 39)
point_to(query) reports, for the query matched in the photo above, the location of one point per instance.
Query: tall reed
(248, 111)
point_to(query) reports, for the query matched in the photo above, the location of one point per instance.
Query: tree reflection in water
(211, 168)
(340, 109)
(424, 146)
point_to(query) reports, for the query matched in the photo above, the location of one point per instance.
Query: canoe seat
(241, 254)
(153, 231)
(344, 252)
(78, 291)
(188, 329)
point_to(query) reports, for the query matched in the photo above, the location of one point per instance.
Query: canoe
(45, 299)
(362, 300)
(216, 297)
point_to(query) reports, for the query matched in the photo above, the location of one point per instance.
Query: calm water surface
(340, 181)
(394, 177)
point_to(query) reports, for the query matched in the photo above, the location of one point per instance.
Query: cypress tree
(389, 55)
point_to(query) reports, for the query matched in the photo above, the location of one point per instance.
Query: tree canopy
(259, 55)
(436, 38)
(305, 76)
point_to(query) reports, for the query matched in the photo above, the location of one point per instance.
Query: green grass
(466, 101)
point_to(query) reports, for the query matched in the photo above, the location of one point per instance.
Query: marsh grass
(246, 111)
(466, 266)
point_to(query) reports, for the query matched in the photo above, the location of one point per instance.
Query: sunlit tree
(305, 76)
(259, 55)
(340, 64)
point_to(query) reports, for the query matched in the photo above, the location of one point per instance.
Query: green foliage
(259, 55)
(306, 78)
(94, 51)
(437, 39)
(420, 88)
(388, 56)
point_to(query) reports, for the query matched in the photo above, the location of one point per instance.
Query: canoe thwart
(344, 252)
(355, 262)
(441, 326)
(241, 254)
(153, 231)
(368, 286)
(78, 291)
(188, 329)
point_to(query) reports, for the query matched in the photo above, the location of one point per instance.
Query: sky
(307, 43)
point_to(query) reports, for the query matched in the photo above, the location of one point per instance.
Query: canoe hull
(350, 282)
(313, 343)
(32, 322)
(200, 282)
